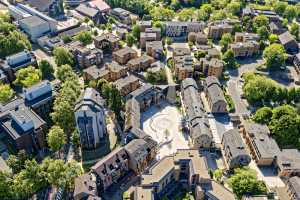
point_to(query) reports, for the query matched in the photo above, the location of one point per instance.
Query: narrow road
(169, 76)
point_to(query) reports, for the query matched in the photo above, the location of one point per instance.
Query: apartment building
(289, 43)
(124, 16)
(52, 7)
(84, 56)
(157, 31)
(122, 56)
(200, 133)
(107, 42)
(86, 187)
(245, 49)
(17, 61)
(146, 37)
(186, 166)
(244, 37)
(110, 168)
(90, 13)
(293, 188)
(210, 67)
(115, 70)
(22, 128)
(140, 64)
(288, 163)
(90, 119)
(127, 84)
(183, 67)
(215, 31)
(214, 95)
(143, 25)
(155, 49)
(181, 29)
(263, 148)
(39, 97)
(234, 149)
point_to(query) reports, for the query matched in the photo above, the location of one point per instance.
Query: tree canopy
(274, 56)
(244, 181)
(6, 93)
(63, 56)
(28, 76)
(85, 37)
(46, 69)
(56, 138)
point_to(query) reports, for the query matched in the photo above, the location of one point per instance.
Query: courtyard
(163, 123)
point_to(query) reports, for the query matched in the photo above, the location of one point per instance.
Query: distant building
(74, 2)
(245, 37)
(245, 49)
(40, 97)
(199, 128)
(140, 64)
(210, 67)
(157, 31)
(146, 37)
(35, 27)
(85, 187)
(22, 128)
(143, 25)
(91, 13)
(215, 31)
(100, 5)
(263, 148)
(85, 57)
(277, 28)
(214, 95)
(186, 166)
(52, 7)
(296, 62)
(183, 63)
(127, 84)
(122, 56)
(17, 61)
(90, 119)
(140, 153)
(235, 150)
(289, 43)
(293, 188)
(123, 15)
(107, 42)
(155, 49)
(110, 168)
(288, 163)
(181, 29)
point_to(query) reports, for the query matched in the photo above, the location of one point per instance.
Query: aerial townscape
(149, 99)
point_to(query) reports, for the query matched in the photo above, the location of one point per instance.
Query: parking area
(163, 123)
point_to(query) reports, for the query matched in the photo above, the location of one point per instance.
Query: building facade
(90, 119)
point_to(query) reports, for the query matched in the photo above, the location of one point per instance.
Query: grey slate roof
(233, 140)
(214, 89)
(90, 99)
(87, 11)
(289, 159)
(286, 37)
(32, 21)
(295, 183)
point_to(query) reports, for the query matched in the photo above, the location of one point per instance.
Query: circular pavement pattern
(160, 123)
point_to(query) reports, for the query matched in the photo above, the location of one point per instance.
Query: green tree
(63, 115)
(115, 100)
(168, 41)
(56, 138)
(67, 39)
(273, 38)
(290, 12)
(226, 40)
(244, 181)
(218, 15)
(186, 14)
(263, 33)
(64, 72)
(274, 56)
(199, 54)
(46, 69)
(85, 37)
(5, 185)
(63, 56)
(263, 115)
(229, 59)
(130, 39)
(28, 76)
(234, 7)
(284, 126)
(158, 77)
(16, 162)
(75, 139)
(136, 32)
(162, 14)
(280, 7)
(260, 21)
(218, 173)
(294, 29)
(207, 8)
(6, 93)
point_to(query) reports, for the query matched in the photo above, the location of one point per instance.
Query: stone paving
(163, 123)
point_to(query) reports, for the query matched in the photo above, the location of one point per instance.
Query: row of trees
(11, 40)
(29, 177)
(284, 123)
(261, 90)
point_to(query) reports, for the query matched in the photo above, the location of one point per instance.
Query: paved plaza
(163, 123)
